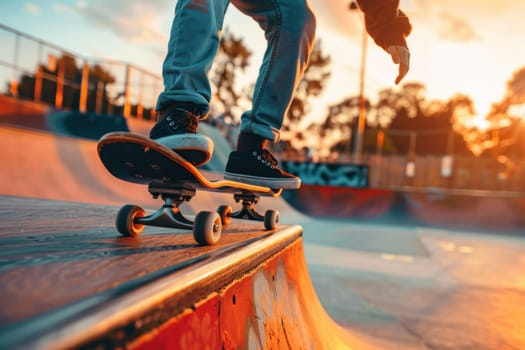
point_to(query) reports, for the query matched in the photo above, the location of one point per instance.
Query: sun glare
(517, 111)
(466, 121)
(468, 64)
(479, 122)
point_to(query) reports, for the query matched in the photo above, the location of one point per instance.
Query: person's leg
(289, 27)
(193, 43)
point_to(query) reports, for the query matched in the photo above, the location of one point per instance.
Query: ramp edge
(113, 314)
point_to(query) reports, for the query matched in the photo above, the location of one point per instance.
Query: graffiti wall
(344, 175)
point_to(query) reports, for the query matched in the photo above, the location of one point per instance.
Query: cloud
(31, 8)
(453, 28)
(450, 20)
(63, 8)
(136, 21)
(468, 8)
(445, 20)
(335, 16)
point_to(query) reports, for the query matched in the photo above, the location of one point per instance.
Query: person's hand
(400, 55)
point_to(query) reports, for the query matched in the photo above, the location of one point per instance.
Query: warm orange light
(478, 122)
(517, 111)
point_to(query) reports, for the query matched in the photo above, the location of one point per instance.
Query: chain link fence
(423, 159)
(452, 172)
(440, 158)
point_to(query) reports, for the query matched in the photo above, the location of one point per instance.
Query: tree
(49, 75)
(409, 123)
(340, 120)
(507, 119)
(403, 105)
(65, 68)
(420, 126)
(312, 84)
(100, 79)
(233, 57)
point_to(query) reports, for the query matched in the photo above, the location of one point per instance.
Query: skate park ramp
(431, 207)
(69, 280)
(60, 167)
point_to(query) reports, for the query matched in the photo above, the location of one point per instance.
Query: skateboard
(137, 159)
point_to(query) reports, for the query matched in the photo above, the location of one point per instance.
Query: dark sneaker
(176, 128)
(260, 168)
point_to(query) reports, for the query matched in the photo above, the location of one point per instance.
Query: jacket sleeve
(385, 22)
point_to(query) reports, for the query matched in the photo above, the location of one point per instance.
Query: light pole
(359, 131)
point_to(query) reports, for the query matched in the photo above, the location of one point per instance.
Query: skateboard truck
(169, 215)
(131, 219)
(206, 227)
(248, 211)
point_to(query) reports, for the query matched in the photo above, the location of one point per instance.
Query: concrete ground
(401, 287)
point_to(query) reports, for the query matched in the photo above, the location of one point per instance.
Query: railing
(33, 69)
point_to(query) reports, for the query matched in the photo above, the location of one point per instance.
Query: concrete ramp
(39, 164)
(449, 209)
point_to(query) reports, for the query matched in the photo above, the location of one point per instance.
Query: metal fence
(36, 70)
(452, 172)
(425, 159)
(434, 158)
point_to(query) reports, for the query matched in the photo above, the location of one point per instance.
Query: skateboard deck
(137, 159)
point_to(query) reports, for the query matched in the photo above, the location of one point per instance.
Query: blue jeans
(289, 27)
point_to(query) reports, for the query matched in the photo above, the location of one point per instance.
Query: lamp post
(359, 131)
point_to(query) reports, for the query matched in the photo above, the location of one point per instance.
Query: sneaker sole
(285, 184)
(196, 148)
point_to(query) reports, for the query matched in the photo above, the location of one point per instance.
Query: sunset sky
(466, 46)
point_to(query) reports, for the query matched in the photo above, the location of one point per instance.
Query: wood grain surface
(55, 253)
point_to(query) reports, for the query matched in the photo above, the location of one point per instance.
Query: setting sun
(453, 50)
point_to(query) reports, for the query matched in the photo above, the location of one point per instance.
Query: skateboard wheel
(126, 220)
(271, 219)
(225, 212)
(207, 228)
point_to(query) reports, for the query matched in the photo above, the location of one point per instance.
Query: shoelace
(188, 120)
(193, 122)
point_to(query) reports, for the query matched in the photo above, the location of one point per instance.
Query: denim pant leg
(193, 43)
(289, 27)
